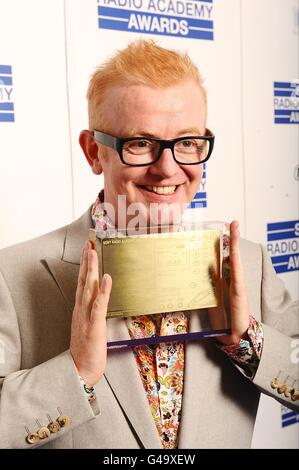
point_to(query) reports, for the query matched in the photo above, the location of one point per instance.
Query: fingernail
(104, 281)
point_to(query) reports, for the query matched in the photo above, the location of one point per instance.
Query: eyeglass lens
(146, 151)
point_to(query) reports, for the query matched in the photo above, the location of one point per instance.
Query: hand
(237, 298)
(88, 345)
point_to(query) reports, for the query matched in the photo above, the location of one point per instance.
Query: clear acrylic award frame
(170, 269)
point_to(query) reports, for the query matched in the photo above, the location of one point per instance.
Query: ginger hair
(142, 62)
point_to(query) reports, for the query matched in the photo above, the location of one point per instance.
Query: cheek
(112, 169)
(122, 177)
(194, 174)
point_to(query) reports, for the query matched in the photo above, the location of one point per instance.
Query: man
(60, 387)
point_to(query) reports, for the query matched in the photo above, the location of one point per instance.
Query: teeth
(161, 189)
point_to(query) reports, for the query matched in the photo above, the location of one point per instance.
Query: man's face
(167, 113)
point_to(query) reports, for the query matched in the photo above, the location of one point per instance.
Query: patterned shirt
(161, 369)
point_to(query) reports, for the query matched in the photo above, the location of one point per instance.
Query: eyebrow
(144, 133)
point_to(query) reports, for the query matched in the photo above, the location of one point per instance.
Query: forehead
(156, 109)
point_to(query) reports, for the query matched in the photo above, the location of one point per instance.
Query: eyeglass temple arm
(105, 139)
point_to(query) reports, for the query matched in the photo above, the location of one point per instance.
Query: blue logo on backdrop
(283, 245)
(286, 102)
(200, 198)
(182, 18)
(288, 417)
(6, 104)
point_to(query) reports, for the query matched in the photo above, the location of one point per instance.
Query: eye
(191, 146)
(139, 146)
(188, 143)
(142, 143)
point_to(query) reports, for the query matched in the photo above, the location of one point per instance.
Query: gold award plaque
(162, 272)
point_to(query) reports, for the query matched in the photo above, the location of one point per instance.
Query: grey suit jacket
(37, 289)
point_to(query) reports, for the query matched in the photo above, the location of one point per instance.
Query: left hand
(238, 305)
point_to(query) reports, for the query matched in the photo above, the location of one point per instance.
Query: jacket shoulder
(50, 244)
(250, 251)
(53, 244)
(252, 261)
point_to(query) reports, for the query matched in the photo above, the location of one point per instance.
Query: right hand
(88, 345)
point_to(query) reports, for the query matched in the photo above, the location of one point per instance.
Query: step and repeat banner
(247, 52)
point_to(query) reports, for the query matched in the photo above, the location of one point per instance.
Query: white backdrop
(53, 47)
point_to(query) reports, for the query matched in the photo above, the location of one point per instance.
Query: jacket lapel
(194, 385)
(124, 379)
(121, 371)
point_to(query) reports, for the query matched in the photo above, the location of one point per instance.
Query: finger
(100, 305)
(91, 287)
(82, 274)
(217, 316)
(236, 268)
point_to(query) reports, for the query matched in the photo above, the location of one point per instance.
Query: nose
(166, 166)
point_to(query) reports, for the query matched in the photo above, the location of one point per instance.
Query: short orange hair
(142, 62)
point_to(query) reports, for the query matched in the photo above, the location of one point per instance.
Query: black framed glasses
(143, 151)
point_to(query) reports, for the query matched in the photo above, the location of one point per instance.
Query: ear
(91, 151)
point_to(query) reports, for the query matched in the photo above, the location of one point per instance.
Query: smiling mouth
(160, 189)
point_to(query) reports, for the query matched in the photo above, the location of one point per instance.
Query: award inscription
(162, 272)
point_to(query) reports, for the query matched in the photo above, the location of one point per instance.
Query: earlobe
(91, 151)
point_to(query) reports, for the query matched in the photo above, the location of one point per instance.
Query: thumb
(100, 305)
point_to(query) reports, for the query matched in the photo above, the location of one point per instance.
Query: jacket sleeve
(277, 372)
(28, 396)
